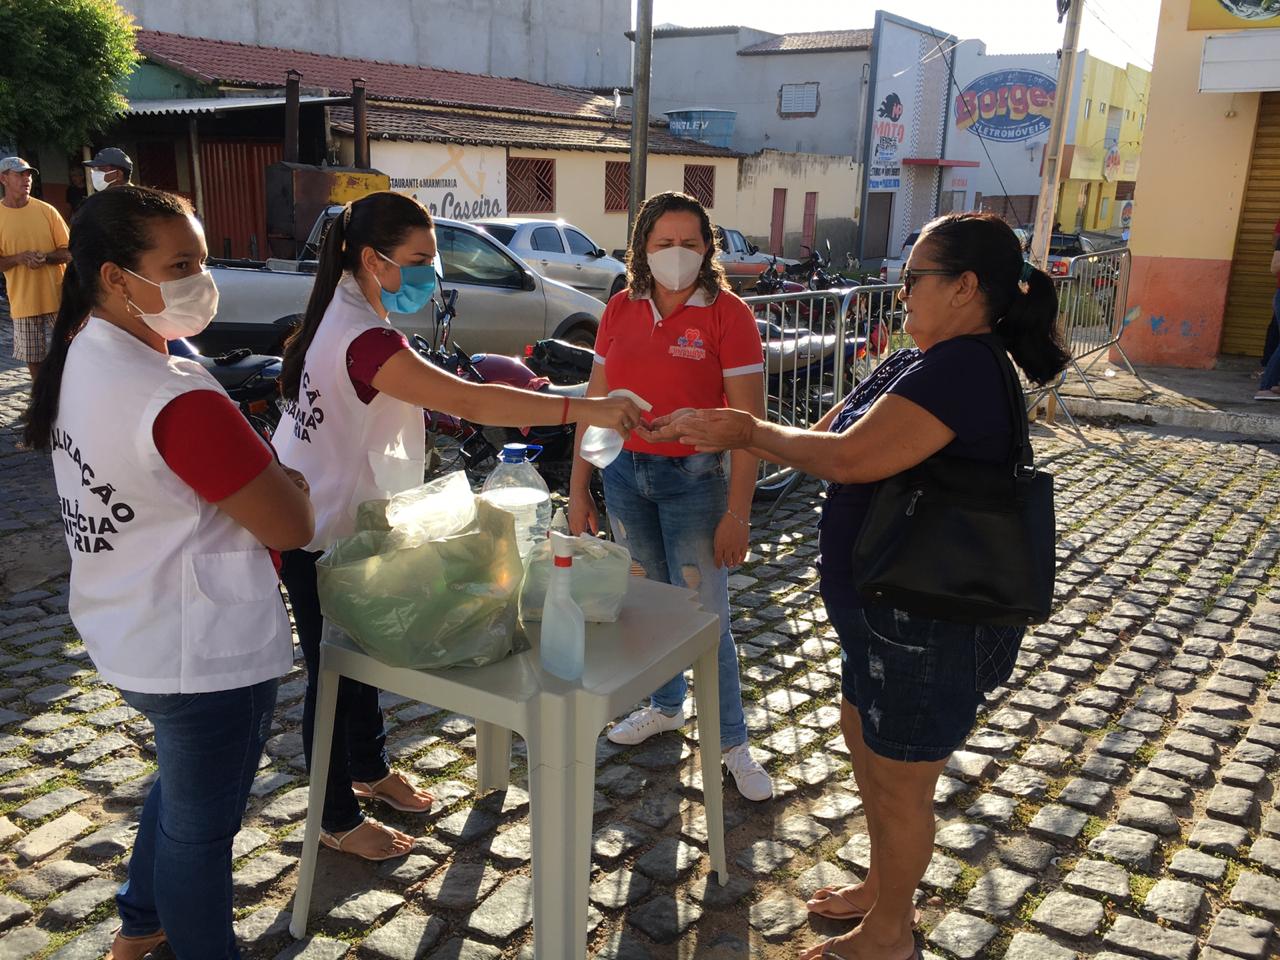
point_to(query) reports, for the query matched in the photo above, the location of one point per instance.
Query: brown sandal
(134, 948)
(371, 791)
(335, 841)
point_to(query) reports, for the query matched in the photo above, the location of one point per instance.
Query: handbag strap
(1020, 455)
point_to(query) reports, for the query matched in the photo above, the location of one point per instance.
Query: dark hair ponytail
(380, 220)
(1023, 312)
(112, 226)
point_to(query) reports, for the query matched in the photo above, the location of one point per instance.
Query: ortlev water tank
(714, 127)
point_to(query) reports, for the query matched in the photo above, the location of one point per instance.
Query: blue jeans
(359, 736)
(1271, 374)
(207, 746)
(665, 511)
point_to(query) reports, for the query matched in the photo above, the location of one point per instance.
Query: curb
(1253, 426)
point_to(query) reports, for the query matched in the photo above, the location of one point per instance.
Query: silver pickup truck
(503, 305)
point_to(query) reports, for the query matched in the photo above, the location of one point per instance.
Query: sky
(1118, 31)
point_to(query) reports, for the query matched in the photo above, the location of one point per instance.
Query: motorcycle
(550, 366)
(251, 380)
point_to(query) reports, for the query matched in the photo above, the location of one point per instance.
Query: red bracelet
(564, 414)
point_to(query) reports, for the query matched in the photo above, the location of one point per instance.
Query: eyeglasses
(910, 276)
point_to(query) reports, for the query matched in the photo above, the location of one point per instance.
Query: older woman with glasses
(911, 685)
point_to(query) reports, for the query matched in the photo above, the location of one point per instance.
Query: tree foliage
(63, 69)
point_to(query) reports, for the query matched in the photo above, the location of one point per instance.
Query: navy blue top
(960, 383)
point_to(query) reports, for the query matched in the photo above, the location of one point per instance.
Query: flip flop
(335, 841)
(833, 893)
(370, 791)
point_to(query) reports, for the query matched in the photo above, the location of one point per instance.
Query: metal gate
(233, 179)
(1252, 285)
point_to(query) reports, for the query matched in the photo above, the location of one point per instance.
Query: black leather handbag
(963, 540)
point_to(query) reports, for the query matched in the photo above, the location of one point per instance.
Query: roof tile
(822, 41)
(440, 126)
(221, 61)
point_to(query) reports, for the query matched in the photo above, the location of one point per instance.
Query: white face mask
(189, 305)
(676, 268)
(99, 180)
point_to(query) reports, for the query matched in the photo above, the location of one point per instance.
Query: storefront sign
(887, 136)
(450, 180)
(1233, 14)
(1008, 105)
(1111, 164)
(1126, 214)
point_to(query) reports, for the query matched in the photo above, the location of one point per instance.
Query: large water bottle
(516, 487)
(601, 445)
(564, 639)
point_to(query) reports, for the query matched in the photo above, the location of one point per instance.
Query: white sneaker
(753, 783)
(643, 724)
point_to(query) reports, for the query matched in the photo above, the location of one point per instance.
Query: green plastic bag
(446, 602)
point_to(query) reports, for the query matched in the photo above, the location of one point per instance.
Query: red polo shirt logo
(689, 347)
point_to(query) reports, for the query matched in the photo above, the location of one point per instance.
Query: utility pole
(641, 63)
(1049, 177)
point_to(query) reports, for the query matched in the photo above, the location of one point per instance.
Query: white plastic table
(661, 631)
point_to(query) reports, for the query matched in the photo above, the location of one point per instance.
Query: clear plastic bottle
(601, 445)
(516, 487)
(564, 637)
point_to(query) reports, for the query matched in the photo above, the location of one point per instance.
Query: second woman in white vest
(354, 427)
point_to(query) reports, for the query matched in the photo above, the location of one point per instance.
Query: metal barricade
(1091, 310)
(1091, 318)
(818, 345)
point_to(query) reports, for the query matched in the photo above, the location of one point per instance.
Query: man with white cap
(33, 252)
(110, 167)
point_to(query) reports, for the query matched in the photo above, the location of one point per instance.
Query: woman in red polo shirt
(679, 338)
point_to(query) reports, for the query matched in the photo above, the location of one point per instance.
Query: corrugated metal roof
(220, 61)
(821, 41)
(437, 126)
(217, 104)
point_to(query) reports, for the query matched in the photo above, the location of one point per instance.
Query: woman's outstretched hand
(709, 431)
(617, 413)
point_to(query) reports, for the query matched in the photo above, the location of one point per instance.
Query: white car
(560, 251)
(504, 305)
(891, 270)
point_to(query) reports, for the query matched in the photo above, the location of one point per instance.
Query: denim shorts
(918, 683)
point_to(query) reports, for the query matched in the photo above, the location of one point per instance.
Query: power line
(1088, 8)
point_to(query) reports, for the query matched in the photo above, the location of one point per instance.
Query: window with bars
(617, 185)
(700, 183)
(798, 100)
(531, 185)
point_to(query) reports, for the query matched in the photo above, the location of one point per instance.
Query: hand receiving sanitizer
(564, 639)
(601, 445)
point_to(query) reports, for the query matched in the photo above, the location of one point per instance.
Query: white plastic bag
(432, 511)
(598, 580)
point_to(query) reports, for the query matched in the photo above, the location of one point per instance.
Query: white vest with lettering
(348, 450)
(169, 594)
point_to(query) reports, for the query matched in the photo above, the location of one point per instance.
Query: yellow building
(1208, 198)
(1104, 143)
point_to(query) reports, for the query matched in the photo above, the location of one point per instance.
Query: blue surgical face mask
(417, 284)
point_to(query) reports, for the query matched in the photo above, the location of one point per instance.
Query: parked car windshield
(1066, 245)
(499, 231)
(470, 258)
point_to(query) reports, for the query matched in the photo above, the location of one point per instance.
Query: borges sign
(1007, 105)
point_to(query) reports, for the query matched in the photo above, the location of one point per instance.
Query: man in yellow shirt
(33, 252)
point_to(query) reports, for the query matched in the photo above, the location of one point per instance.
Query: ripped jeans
(918, 683)
(665, 511)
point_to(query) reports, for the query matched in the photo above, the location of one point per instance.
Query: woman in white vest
(354, 426)
(171, 505)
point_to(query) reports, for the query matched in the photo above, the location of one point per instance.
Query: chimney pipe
(360, 117)
(291, 110)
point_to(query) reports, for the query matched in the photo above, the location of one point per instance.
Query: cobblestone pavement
(1117, 799)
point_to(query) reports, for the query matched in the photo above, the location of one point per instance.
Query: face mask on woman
(676, 268)
(189, 305)
(417, 284)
